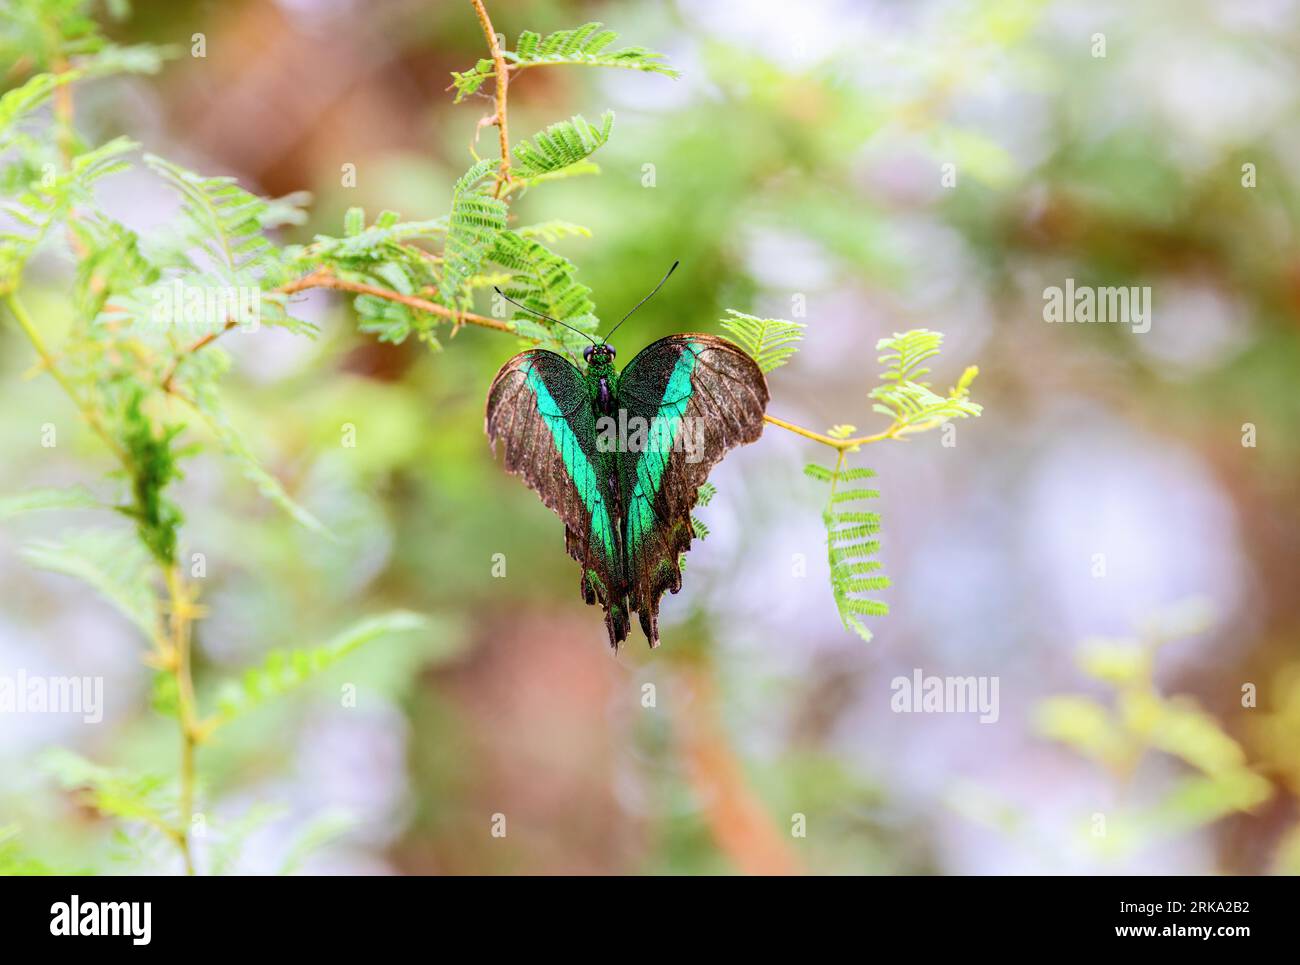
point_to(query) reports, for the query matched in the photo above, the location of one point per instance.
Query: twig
(173, 650)
(325, 278)
(502, 83)
(896, 431)
(183, 611)
(840, 444)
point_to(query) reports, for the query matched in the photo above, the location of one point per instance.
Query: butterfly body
(620, 456)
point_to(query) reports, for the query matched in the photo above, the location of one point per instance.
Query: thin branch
(502, 83)
(173, 650)
(183, 611)
(896, 431)
(50, 364)
(325, 278)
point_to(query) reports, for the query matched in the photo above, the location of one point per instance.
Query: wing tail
(595, 592)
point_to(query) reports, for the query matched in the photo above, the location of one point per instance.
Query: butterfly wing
(540, 409)
(715, 396)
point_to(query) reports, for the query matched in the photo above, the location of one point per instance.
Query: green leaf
(588, 45)
(154, 465)
(371, 243)
(849, 546)
(22, 100)
(574, 170)
(283, 671)
(1187, 732)
(111, 562)
(475, 222)
(45, 202)
(1115, 661)
(1197, 801)
(549, 232)
(133, 59)
(110, 265)
(469, 81)
(850, 495)
(383, 255)
(769, 341)
(13, 861)
(234, 446)
(221, 268)
(544, 282)
(1085, 725)
(77, 497)
(112, 792)
(908, 400)
(227, 223)
(560, 146)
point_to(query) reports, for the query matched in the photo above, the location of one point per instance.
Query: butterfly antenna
(547, 317)
(641, 302)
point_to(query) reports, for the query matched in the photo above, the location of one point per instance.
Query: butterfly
(620, 456)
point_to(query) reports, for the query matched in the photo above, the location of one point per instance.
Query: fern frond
(851, 495)
(769, 341)
(21, 101)
(227, 223)
(237, 449)
(109, 561)
(112, 792)
(703, 495)
(544, 281)
(133, 59)
(111, 263)
(586, 46)
(35, 209)
(358, 241)
(475, 221)
(549, 232)
(283, 671)
(904, 352)
(849, 546)
(560, 146)
(385, 255)
(33, 500)
(907, 399)
(574, 170)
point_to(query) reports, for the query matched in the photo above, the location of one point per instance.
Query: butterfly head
(599, 357)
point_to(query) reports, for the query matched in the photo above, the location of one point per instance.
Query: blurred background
(799, 160)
